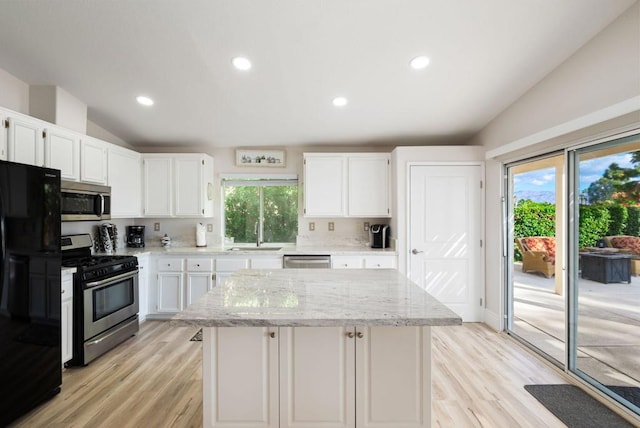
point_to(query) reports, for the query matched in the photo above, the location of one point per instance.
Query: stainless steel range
(105, 298)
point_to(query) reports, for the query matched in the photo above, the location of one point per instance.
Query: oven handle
(105, 282)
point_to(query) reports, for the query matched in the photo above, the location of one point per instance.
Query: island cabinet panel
(393, 382)
(317, 377)
(242, 364)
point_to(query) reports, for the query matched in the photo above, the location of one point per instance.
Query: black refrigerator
(30, 359)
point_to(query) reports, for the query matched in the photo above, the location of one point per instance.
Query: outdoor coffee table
(606, 268)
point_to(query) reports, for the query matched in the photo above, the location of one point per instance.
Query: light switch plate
(366, 226)
(156, 227)
(209, 227)
(312, 226)
(331, 226)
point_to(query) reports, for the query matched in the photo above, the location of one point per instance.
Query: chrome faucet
(255, 230)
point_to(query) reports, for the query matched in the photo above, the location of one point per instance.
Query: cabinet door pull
(350, 335)
(360, 335)
(272, 335)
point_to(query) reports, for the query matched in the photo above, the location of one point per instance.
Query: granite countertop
(219, 251)
(317, 298)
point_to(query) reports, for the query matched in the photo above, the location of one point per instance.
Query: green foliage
(534, 219)
(633, 221)
(593, 225)
(618, 222)
(242, 211)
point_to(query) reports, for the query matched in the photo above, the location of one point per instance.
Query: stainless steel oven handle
(112, 279)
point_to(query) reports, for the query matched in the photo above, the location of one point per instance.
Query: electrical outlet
(331, 226)
(209, 227)
(156, 227)
(366, 226)
(312, 226)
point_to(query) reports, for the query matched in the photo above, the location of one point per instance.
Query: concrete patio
(608, 324)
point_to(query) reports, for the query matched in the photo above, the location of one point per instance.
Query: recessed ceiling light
(241, 63)
(145, 101)
(340, 101)
(419, 62)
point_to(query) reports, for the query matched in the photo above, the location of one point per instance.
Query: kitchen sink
(255, 248)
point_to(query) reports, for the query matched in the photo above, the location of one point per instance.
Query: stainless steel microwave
(81, 201)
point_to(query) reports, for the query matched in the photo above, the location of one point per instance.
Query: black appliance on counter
(105, 298)
(135, 236)
(379, 235)
(30, 354)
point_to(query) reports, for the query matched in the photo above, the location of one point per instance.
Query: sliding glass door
(573, 284)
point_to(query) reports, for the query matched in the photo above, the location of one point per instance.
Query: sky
(590, 171)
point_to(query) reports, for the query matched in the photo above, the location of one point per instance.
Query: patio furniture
(606, 268)
(627, 245)
(538, 254)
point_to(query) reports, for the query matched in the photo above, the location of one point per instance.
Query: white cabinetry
(93, 161)
(143, 286)
(3, 136)
(199, 278)
(170, 286)
(178, 185)
(225, 266)
(242, 363)
(347, 185)
(368, 262)
(317, 377)
(124, 171)
(26, 141)
(66, 316)
(324, 186)
(266, 262)
(62, 151)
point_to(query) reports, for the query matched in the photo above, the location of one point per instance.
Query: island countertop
(317, 298)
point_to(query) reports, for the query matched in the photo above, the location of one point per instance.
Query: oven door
(109, 302)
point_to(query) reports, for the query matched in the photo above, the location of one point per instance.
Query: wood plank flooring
(154, 380)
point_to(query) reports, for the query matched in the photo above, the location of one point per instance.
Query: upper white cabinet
(25, 141)
(178, 185)
(3, 137)
(62, 151)
(93, 161)
(124, 171)
(347, 185)
(324, 185)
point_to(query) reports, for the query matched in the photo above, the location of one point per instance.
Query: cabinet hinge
(202, 211)
(6, 123)
(304, 162)
(481, 184)
(304, 210)
(202, 161)
(481, 301)
(388, 162)
(481, 243)
(44, 134)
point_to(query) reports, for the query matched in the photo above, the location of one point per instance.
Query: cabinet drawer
(381, 262)
(223, 265)
(170, 265)
(267, 263)
(346, 262)
(200, 265)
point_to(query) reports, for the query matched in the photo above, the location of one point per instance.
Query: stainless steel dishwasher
(303, 261)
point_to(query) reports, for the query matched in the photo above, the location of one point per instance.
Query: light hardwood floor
(154, 380)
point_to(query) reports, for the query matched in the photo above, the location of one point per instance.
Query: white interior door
(444, 235)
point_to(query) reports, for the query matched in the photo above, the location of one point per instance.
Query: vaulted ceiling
(483, 55)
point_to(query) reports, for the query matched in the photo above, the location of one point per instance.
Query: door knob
(415, 251)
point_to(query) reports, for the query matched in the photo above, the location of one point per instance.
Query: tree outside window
(266, 207)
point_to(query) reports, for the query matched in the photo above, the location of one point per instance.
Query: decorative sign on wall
(268, 158)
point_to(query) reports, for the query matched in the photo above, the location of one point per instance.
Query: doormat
(576, 408)
(197, 337)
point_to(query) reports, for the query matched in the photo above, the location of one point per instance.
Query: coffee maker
(379, 235)
(135, 236)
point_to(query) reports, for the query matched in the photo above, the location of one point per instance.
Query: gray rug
(575, 408)
(197, 337)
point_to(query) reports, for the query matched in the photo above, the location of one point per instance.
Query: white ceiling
(484, 56)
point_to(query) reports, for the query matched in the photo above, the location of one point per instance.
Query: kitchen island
(317, 348)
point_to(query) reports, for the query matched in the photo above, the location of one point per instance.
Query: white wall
(603, 74)
(14, 93)
(55, 105)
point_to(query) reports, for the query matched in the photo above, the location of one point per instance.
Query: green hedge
(596, 221)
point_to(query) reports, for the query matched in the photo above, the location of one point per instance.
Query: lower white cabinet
(297, 377)
(180, 282)
(66, 316)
